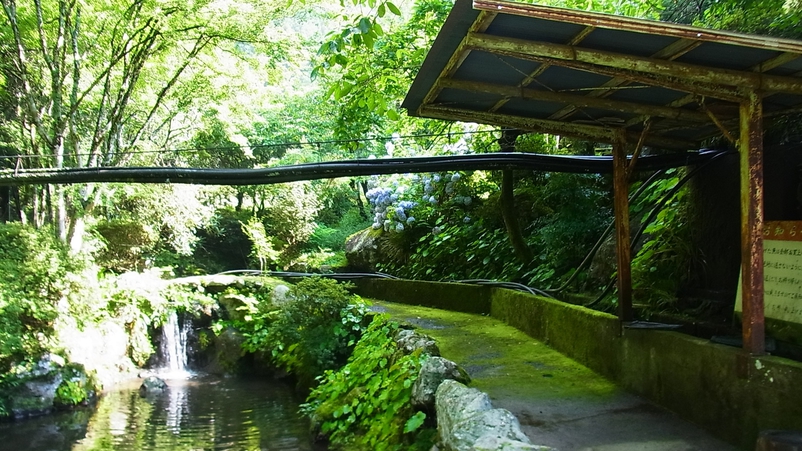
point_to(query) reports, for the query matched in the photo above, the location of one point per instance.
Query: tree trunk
(514, 232)
(357, 187)
(522, 251)
(240, 199)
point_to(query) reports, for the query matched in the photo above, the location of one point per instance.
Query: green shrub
(365, 405)
(333, 237)
(316, 330)
(36, 280)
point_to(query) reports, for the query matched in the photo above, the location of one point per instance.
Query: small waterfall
(174, 345)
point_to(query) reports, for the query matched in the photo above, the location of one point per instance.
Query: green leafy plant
(316, 330)
(365, 405)
(35, 284)
(667, 261)
(71, 393)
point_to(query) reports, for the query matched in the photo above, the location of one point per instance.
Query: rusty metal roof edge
(609, 21)
(462, 16)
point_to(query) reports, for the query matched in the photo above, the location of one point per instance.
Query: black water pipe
(346, 168)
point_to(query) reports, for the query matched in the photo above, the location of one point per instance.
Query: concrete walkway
(558, 402)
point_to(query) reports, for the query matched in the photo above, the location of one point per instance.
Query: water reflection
(195, 414)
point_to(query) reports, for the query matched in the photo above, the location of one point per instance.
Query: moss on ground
(503, 361)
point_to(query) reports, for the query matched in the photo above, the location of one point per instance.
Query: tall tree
(90, 83)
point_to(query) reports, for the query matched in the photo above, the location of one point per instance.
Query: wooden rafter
(721, 83)
(510, 92)
(582, 131)
(669, 52)
(542, 68)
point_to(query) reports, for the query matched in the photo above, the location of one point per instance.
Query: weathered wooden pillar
(750, 147)
(621, 210)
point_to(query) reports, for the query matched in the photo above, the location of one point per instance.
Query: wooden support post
(621, 208)
(751, 149)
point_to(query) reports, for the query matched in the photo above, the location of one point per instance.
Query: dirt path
(558, 402)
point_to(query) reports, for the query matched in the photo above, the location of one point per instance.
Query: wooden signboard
(782, 279)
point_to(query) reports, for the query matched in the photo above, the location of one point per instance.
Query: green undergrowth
(365, 405)
(314, 329)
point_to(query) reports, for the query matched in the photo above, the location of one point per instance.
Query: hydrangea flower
(436, 178)
(436, 230)
(432, 200)
(399, 227)
(410, 220)
(455, 177)
(466, 219)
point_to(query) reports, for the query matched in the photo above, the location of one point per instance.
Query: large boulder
(237, 306)
(432, 373)
(409, 341)
(152, 386)
(467, 421)
(51, 382)
(36, 390)
(362, 250)
(280, 295)
(225, 352)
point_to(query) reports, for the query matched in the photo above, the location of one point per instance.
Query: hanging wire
(286, 145)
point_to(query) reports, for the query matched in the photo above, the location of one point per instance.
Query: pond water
(193, 415)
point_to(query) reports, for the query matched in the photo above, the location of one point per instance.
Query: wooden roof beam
(669, 52)
(614, 22)
(582, 131)
(657, 71)
(577, 100)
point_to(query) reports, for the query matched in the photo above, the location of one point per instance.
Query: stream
(204, 413)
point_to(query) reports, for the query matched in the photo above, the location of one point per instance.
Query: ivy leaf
(414, 422)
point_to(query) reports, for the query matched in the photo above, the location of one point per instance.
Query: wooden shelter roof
(583, 74)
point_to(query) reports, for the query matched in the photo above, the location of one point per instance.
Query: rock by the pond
(226, 352)
(35, 394)
(152, 385)
(466, 418)
(280, 294)
(236, 305)
(432, 373)
(362, 250)
(409, 341)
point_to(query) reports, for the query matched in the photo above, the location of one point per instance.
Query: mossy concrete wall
(729, 393)
(448, 296)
